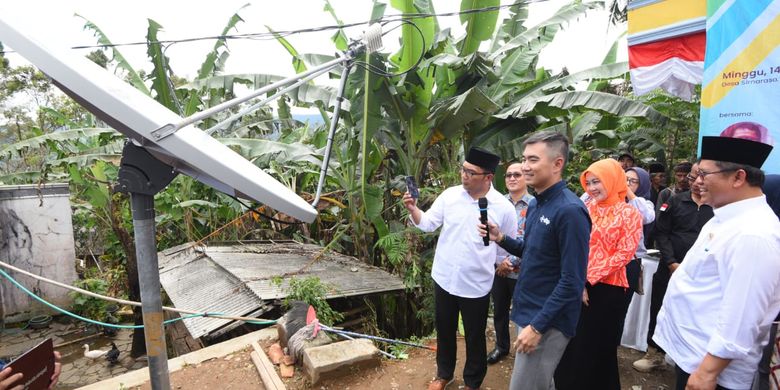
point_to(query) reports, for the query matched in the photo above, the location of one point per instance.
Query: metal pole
(377, 338)
(149, 281)
(261, 103)
(333, 124)
(389, 355)
(230, 103)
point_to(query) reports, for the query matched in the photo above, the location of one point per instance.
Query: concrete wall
(36, 234)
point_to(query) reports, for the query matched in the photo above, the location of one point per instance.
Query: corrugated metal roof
(193, 281)
(237, 278)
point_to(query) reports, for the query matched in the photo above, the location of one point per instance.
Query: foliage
(312, 291)
(674, 142)
(90, 307)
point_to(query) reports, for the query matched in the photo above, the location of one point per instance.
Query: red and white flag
(674, 65)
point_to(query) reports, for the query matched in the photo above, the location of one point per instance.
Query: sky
(582, 45)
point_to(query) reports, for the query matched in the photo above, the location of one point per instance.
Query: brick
(336, 359)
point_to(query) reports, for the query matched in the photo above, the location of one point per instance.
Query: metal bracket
(162, 132)
(140, 172)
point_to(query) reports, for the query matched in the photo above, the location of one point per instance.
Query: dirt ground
(237, 372)
(234, 372)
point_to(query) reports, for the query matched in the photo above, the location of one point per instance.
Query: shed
(251, 278)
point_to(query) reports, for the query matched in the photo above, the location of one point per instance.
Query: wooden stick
(77, 340)
(266, 369)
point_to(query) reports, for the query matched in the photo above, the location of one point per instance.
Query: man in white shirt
(722, 299)
(463, 266)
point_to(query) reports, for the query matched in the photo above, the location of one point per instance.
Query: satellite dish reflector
(144, 121)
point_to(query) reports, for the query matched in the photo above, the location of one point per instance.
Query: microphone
(483, 218)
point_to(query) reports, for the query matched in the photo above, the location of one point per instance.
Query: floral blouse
(614, 239)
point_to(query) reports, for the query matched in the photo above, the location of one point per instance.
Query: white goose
(93, 354)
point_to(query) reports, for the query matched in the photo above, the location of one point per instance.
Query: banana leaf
(161, 84)
(215, 60)
(133, 77)
(479, 25)
(591, 100)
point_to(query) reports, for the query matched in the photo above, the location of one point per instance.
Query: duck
(93, 354)
(113, 355)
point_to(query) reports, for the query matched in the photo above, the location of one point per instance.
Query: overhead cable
(286, 33)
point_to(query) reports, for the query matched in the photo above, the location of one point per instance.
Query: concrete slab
(338, 358)
(138, 377)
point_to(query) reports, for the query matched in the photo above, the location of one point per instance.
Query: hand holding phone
(411, 186)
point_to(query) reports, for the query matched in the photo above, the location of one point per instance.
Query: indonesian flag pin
(664, 207)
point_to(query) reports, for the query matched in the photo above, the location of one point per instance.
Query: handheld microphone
(483, 218)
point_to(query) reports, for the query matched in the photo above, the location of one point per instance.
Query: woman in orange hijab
(590, 360)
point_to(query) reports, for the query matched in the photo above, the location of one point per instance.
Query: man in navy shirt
(547, 299)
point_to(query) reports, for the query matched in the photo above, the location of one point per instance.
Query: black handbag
(635, 275)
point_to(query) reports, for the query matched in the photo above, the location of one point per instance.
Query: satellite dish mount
(142, 176)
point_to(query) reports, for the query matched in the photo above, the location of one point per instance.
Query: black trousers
(474, 312)
(660, 283)
(590, 360)
(682, 380)
(502, 291)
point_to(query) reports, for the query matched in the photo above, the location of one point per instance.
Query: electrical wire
(379, 72)
(191, 313)
(286, 33)
(261, 215)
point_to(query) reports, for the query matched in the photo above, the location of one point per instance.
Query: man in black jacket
(681, 184)
(677, 225)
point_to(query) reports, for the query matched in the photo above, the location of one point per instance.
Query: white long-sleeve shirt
(647, 210)
(462, 265)
(726, 293)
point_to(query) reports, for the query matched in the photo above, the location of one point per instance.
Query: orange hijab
(612, 176)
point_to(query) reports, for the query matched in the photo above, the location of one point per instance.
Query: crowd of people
(564, 268)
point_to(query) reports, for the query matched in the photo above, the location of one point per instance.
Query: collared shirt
(522, 209)
(462, 265)
(555, 255)
(725, 295)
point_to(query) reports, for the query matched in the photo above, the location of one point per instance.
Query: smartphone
(411, 186)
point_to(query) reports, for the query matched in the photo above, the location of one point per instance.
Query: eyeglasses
(691, 177)
(703, 174)
(513, 176)
(632, 181)
(469, 173)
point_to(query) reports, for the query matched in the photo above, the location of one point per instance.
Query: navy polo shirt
(548, 293)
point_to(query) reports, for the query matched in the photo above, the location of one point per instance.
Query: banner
(741, 83)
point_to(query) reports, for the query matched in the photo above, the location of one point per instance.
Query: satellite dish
(147, 123)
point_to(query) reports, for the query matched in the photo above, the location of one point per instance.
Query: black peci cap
(483, 159)
(735, 150)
